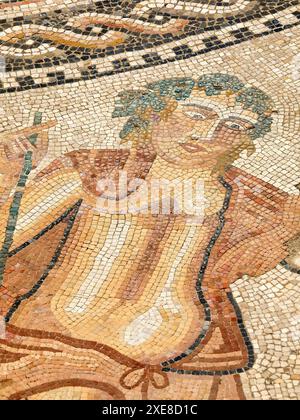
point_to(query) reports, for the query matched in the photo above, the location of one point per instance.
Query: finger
(12, 152)
(7, 152)
(13, 148)
(42, 141)
(28, 145)
(5, 138)
(20, 145)
(25, 146)
(18, 148)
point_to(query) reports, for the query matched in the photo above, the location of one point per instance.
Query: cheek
(174, 128)
(229, 136)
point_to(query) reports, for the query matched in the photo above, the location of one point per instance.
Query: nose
(205, 130)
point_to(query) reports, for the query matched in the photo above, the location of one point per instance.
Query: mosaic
(149, 206)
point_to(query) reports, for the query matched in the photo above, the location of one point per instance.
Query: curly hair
(134, 103)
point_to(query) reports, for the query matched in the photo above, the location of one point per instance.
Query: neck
(209, 180)
(161, 169)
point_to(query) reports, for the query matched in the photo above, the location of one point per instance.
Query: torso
(127, 281)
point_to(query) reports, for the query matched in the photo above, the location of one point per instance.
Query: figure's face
(202, 129)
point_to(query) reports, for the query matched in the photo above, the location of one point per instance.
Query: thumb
(42, 142)
(41, 149)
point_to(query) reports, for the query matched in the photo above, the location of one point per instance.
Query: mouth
(193, 148)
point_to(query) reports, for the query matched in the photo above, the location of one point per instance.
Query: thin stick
(28, 131)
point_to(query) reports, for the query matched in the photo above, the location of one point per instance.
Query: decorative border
(174, 51)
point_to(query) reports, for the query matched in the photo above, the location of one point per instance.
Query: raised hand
(13, 148)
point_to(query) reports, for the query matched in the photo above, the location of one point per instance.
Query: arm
(41, 199)
(277, 240)
(14, 146)
(44, 200)
(256, 255)
(28, 211)
(43, 225)
(253, 256)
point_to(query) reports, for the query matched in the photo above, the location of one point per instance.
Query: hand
(14, 146)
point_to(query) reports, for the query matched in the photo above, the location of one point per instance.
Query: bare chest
(123, 256)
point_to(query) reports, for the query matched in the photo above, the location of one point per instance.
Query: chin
(190, 163)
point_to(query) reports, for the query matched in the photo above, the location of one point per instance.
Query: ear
(125, 140)
(248, 145)
(251, 149)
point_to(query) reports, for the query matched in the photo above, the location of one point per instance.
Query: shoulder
(89, 166)
(249, 181)
(255, 192)
(87, 160)
(97, 160)
(262, 197)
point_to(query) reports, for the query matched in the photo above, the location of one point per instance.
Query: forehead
(224, 104)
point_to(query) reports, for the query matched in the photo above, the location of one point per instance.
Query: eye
(195, 115)
(237, 126)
